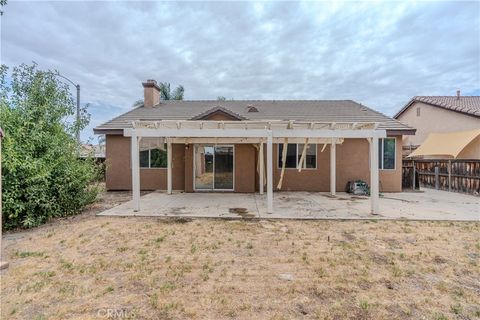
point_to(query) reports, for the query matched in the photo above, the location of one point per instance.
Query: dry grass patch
(159, 269)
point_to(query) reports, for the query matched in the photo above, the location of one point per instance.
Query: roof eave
(401, 132)
(108, 131)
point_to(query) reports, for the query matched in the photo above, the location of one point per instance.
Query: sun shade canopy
(445, 144)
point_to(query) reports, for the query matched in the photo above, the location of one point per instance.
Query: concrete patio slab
(427, 205)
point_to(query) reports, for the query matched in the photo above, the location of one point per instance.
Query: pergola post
(169, 166)
(261, 168)
(374, 175)
(135, 153)
(269, 173)
(333, 169)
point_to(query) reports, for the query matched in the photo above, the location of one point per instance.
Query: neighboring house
(208, 163)
(441, 114)
(96, 151)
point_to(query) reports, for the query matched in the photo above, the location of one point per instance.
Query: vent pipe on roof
(458, 94)
(151, 93)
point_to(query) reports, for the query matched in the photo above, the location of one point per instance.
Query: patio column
(333, 169)
(169, 166)
(374, 175)
(261, 168)
(135, 154)
(269, 172)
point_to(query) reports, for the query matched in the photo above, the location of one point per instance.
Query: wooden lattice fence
(458, 175)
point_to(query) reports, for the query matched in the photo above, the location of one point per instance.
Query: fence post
(436, 177)
(449, 175)
(414, 172)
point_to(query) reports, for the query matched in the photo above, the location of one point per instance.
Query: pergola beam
(256, 133)
(246, 140)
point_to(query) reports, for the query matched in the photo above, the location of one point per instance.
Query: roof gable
(219, 113)
(469, 105)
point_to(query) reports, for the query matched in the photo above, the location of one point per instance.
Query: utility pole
(77, 131)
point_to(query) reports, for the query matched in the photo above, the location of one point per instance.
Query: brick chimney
(151, 93)
(458, 94)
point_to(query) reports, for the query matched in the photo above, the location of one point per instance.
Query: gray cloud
(380, 54)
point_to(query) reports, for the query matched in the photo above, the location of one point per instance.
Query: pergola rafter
(261, 132)
(252, 125)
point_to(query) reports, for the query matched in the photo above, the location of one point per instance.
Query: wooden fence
(458, 175)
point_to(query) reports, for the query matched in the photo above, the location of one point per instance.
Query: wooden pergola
(256, 132)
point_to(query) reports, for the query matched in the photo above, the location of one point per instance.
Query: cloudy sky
(377, 53)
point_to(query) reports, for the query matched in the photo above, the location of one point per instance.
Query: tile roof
(464, 104)
(300, 110)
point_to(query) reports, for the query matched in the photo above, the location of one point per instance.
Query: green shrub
(41, 174)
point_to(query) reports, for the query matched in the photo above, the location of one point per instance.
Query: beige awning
(445, 144)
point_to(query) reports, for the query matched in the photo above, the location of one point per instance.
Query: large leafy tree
(42, 174)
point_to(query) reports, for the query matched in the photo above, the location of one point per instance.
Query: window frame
(297, 156)
(150, 159)
(382, 152)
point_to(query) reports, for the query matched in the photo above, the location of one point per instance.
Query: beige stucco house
(442, 114)
(198, 146)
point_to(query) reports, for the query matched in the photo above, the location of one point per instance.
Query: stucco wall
(119, 172)
(434, 120)
(245, 168)
(188, 168)
(352, 164)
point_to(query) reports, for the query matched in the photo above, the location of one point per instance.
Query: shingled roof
(300, 110)
(469, 105)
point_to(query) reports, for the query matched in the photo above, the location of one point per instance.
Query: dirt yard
(148, 268)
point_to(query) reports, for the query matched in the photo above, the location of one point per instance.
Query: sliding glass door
(213, 167)
(204, 167)
(223, 168)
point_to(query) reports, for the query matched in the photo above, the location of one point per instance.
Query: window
(294, 153)
(291, 159)
(153, 158)
(310, 156)
(386, 153)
